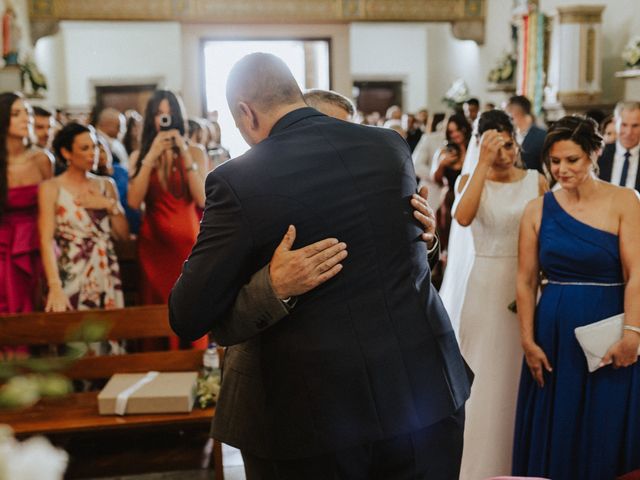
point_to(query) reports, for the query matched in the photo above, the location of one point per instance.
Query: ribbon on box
(123, 397)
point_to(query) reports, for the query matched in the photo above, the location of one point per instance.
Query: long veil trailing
(461, 251)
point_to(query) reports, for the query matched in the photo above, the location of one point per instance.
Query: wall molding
(47, 13)
(260, 11)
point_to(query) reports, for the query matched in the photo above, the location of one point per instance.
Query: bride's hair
(582, 131)
(499, 120)
(495, 120)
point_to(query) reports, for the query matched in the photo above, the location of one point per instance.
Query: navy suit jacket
(605, 162)
(370, 354)
(532, 148)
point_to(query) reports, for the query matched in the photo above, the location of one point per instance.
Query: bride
(492, 200)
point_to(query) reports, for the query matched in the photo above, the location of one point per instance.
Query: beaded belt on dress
(589, 284)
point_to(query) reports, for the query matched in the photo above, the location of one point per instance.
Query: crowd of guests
(562, 201)
(69, 190)
(570, 232)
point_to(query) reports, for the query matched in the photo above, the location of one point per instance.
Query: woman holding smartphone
(167, 176)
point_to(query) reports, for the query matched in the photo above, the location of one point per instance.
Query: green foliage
(26, 380)
(89, 331)
(207, 390)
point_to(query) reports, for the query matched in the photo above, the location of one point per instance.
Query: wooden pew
(102, 445)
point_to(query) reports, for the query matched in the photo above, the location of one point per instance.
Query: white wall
(449, 58)
(392, 51)
(110, 53)
(620, 22)
(49, 55)
(425, 55)
(429, 58)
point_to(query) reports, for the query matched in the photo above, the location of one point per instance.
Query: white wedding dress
(489, 332)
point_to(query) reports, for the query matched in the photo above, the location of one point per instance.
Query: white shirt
(618, 163)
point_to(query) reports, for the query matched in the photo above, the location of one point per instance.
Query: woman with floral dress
(79, 214)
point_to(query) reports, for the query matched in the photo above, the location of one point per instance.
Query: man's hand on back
(424, 214)
(294, 272)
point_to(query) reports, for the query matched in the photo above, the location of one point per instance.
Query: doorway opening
(308, 60)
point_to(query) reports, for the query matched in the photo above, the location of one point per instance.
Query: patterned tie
(625, 169)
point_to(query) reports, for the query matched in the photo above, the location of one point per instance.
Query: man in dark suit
(529, 136)
(619, 161)
(363, 376)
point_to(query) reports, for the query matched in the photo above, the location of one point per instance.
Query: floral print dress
(87, 261)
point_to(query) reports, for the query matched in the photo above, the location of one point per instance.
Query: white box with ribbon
(154, 392)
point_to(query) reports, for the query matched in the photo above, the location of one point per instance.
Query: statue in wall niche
(10, 36)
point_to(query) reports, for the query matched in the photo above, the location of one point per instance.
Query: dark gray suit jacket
(240, 409)
(368, 355)
(532, 148)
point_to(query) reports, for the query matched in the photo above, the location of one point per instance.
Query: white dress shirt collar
(618, 163)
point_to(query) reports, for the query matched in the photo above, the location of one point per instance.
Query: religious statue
(10, 36)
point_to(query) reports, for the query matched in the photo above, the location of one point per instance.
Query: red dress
(167, 235)
(20, 264)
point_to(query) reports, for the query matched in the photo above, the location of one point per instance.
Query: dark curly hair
(65, 137)
(580, 130)
(495, 120)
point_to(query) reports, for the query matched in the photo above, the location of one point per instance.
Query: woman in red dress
(167, 176)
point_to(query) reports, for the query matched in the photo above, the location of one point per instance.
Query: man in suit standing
(530, 137)
(619, 161)
(363, 377)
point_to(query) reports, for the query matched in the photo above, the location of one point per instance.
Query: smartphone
(165, 122)
(453, 148)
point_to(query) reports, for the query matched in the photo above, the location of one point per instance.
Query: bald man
(113, 125)
(362, 378)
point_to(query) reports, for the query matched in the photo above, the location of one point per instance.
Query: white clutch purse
(596, 339)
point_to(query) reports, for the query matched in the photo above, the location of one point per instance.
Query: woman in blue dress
(585, 238)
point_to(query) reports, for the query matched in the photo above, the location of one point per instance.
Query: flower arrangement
(504, 70)
(631, 52)
(32, 458)
(207, 389)
(457, 94)
(35, 77)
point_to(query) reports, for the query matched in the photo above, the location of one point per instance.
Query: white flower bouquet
(631, 52)
(30, 459)
(457, 94)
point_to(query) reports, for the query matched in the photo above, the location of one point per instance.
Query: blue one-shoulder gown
(580, 425)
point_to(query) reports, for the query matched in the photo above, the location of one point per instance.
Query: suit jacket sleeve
(434, 254)
(256, 308)
(203, 298)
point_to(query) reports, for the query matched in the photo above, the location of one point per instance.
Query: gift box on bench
(131, 393)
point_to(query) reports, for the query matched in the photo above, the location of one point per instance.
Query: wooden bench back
(151, 321)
